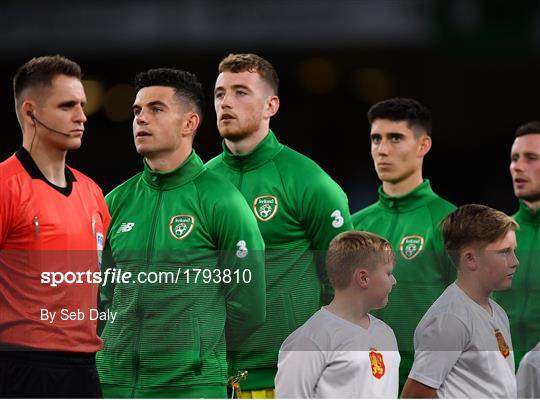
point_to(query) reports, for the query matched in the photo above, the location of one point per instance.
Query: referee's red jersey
(48, 229)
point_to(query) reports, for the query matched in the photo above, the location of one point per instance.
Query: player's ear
(190, 123)
(425, 144)
(272, 106)
(361, 278)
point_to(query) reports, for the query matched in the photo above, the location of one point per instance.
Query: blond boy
(342, 351)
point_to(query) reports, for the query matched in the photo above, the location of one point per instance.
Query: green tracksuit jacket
(168, 339)
(299, 209)
(422, 270)
(522, 301)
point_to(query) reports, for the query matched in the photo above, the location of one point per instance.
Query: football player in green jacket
(194, 252)
(407, 214)
(522, 301)
(298, 207)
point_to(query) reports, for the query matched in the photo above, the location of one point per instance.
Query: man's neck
(350, 308)
(248, 143)
(51, 162)
(532, 205)
(166, 162)
(403, 187)
(475, 292)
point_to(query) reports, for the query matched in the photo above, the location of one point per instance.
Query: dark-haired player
(522, 300)
(178, 221)
(407, 214)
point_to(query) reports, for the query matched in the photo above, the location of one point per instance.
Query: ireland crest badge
(181, 226)
(411, 246)
(265, 207)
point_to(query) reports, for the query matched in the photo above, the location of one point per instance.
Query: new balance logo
(125, 227)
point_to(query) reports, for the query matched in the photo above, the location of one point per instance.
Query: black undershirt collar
(30, 166)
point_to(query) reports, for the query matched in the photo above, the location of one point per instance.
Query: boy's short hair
(416, 115)
(528, 128)
(355, 249)
(252, 63)
(474, 224)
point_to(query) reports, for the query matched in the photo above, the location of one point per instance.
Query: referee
(52, 219)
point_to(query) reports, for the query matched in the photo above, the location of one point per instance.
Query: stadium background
(474, 63)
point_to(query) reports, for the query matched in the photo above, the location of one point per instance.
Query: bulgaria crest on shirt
(181, 226)
(265, 207)
(411, 246)
(377, 363)
(503, 347)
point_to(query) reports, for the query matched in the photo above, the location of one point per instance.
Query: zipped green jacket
(168, 338)
(299, 209)
(522, 301)
(423, 270)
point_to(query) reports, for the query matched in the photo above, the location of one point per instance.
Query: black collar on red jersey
(30, 166)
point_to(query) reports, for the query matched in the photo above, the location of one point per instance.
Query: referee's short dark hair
(186, 86)
(417, 116)
(528, 128)
(38, 74)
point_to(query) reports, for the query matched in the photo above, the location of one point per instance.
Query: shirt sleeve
(300, 365)
(325, 213)
(105, 215)
(5, 211)
(241, 248)
(106, 290)
(438, 344)
(358, 221)
(528, 378)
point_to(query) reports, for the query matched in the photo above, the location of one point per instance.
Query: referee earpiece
(35, 120)
(30, 113)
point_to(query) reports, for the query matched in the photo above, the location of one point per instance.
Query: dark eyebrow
(70, 103)
(157, 103)
(388, 133)
(152, 103)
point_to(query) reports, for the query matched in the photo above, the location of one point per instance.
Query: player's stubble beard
(237, 135)
(531, 198)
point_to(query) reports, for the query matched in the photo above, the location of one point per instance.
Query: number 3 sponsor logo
(338, 220)
(242, 249)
